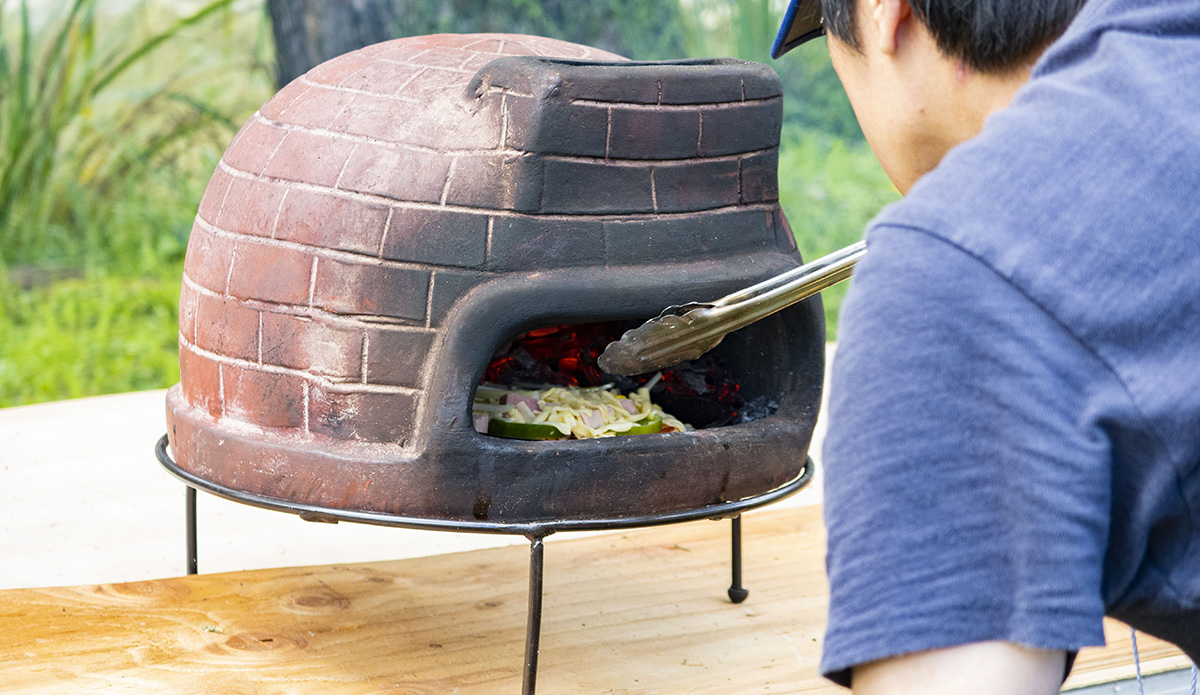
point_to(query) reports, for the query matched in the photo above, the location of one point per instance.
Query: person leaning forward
(1014, 426)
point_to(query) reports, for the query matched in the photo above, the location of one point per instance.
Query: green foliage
(83, 337)
(62, 125)
(812, 95)
(638, 29)
(109, 129)
(830, 189)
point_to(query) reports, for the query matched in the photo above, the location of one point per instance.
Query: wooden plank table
(637, 612)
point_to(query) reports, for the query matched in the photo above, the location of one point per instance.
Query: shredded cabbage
(582, 413)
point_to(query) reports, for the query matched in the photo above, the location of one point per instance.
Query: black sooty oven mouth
(728, 386)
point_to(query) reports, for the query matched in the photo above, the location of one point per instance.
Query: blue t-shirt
(1014, 434)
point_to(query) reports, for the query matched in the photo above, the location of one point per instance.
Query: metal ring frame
(535, 532)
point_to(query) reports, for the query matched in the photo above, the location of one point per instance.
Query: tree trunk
(309, 32)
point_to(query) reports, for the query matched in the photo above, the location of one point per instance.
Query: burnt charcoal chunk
(696, 185)
(529, 243)
(596, 188)
(638, 242)
(441, 237)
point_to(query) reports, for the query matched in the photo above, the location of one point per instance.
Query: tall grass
(83, 337)
(109, 129)
(829, 188)
(53, 84)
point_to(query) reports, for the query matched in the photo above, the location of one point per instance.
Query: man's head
(923, 74)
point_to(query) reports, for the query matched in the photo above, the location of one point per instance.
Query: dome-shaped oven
(384, 224)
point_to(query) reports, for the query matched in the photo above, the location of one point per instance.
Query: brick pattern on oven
(351, 212)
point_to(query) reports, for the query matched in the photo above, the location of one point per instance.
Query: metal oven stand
(535, 532)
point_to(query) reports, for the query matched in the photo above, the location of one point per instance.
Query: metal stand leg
(190, 522)
(533, 627)
(736, 593)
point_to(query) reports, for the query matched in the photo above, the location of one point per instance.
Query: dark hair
(988, 35)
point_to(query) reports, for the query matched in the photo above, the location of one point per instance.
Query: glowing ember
(698, 392)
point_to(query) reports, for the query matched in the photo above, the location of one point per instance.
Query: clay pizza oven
(388, 223)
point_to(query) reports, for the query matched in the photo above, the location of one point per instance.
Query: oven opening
(544, 384)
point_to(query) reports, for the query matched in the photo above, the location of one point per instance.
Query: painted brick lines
(530, 243)
(397, 174)
(368, 196)
(325, 221)
(282, 371)
(371, 290)
(498, 182)
(386, 76)
(753, 127)
(251, 207)
(208, 258)
(437, 237)
(214, 195)
(307, 156)
(270, 273)
(304, 344)
(267, 398)
(346, 412)
(254, 146)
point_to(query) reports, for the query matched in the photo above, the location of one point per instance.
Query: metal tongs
(686, 331)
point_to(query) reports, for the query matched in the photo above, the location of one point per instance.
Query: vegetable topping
(570, 412)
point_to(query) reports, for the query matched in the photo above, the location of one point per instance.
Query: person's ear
(890, 17)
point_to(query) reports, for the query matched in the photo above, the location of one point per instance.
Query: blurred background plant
(113, 116)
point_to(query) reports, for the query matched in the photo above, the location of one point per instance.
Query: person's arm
(984, 668)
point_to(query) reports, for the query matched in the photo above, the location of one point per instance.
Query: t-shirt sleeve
(967, 487)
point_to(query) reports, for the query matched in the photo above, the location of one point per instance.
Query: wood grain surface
(637, 612)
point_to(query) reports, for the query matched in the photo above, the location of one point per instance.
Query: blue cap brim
(801, 23)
